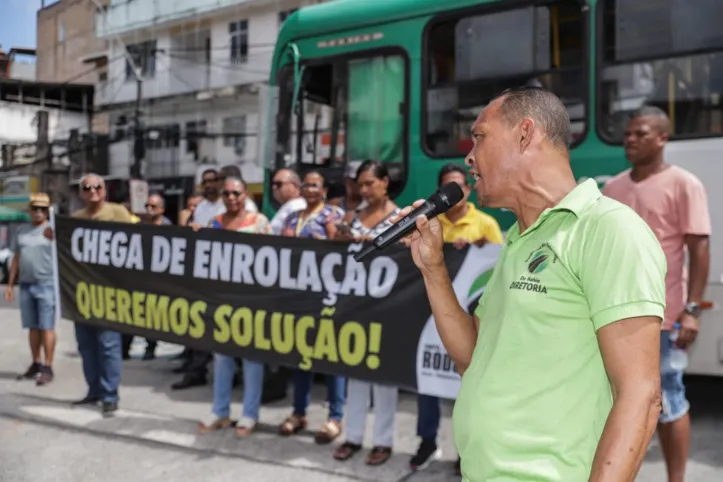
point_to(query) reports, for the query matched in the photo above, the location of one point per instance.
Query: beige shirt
(108, 212)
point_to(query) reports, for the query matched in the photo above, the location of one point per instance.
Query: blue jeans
(429, 413)
(675, 404)
(224, 369)
(335, 386)
(37, 306)
(100, 350)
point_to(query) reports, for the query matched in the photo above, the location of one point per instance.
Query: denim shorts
(675, 405)
(37, 306)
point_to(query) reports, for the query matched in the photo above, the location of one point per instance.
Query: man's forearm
(456, 327)
(626, 436)
(698, 277)
(14, 268)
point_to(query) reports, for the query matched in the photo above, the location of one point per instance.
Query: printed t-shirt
(536, 396)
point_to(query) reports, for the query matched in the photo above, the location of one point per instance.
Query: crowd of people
(563, 410)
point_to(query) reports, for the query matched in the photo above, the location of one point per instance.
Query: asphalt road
(154, 437)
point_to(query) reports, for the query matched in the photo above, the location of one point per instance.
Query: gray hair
(160, 197)
(292, 175)
(543, 107)
(91, 174)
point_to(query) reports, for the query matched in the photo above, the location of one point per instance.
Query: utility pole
(139, 145)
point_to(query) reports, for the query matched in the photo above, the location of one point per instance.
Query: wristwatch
(693, 309)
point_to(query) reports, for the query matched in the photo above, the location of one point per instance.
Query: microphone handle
(398, 230)
(404, 226)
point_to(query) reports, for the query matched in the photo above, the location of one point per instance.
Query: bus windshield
(348, 109)
(665, 53)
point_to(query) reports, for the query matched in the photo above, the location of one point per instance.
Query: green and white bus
(401, 81)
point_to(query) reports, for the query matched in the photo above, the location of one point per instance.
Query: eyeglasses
(152, 206)
(89, 187)
(38, 208)
(277, 184)
(310, 185)
(232, 193)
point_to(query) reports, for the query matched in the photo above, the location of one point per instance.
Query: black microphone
(444, 198)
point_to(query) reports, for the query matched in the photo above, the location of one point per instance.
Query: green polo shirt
(535, 398)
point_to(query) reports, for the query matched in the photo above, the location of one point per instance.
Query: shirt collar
(468, 217)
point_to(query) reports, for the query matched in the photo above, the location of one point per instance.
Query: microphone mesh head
(451, 194)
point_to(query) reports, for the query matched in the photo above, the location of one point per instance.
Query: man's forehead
(646, 123)
(487, 114)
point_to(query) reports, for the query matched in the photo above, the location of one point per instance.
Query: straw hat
(40, 199)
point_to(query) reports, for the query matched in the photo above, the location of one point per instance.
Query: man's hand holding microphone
(425, 242)
(417, 227)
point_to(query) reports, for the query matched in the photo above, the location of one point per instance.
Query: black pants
(198, 364)
(128, 341)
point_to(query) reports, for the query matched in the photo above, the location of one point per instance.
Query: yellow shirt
(473, 226)
(109, 212)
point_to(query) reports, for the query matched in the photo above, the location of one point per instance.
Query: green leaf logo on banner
(480, 282)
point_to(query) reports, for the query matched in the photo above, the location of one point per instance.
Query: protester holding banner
(561, 358)
(364, 225)
(32, 268)
(237, 219)
(317, 221)
(462, 225)
(100, 348)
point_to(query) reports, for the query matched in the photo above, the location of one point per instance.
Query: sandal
(292, 425)
(346, 451)
(218, 424)
(245, 427)
(379, 455)
(328, 433)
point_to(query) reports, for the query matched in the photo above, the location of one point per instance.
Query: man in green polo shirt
(560, 362)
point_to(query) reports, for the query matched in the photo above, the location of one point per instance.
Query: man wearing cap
(32, 269)
(100, 349)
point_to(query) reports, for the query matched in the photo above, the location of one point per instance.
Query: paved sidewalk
(154, 435)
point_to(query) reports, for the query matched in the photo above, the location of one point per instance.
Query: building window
(234, 133)
(239, 33)
(465, 67)
(284, 15)
(144, 56)
(664, 54)
(163, 136)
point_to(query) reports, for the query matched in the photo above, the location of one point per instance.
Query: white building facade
(203, 66)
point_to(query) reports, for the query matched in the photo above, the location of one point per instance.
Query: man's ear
(527, 131)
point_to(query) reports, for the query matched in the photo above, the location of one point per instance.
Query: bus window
(465, 67)
(349, 109)
(665, 53)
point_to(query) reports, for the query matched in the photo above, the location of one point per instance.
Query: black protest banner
(298, 302)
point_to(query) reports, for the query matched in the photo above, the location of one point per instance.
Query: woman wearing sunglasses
(318, 221)
(236, 218)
